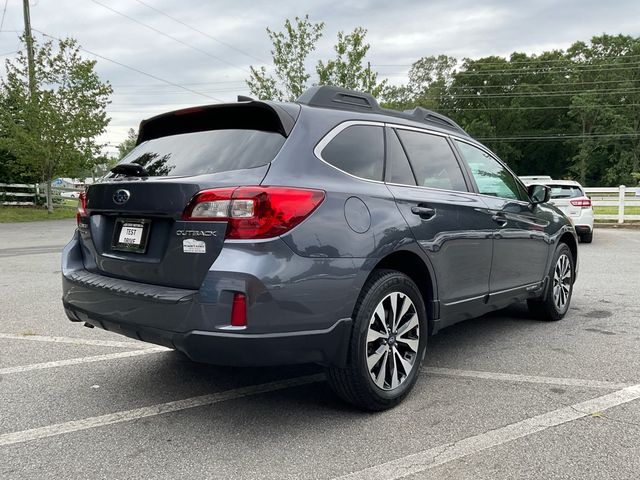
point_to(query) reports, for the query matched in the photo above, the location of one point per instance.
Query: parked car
(569, 197)
(326, 230)
(71, 194)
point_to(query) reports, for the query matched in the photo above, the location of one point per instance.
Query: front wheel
(554, 304)
(388, 343)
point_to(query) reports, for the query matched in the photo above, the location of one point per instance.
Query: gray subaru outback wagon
(326, 230)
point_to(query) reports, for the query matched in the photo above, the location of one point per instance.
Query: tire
(554, 304)
(395, 355)
(586, 237)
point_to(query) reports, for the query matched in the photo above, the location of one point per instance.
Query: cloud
(400, 33)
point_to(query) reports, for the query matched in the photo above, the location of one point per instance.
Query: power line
(4, 12)
(201, 32)
(137, 70)
(559, 137)
(552, 84)
(540, 72)
(540, 108)
(144, 85)
(570, 69)
(541, 94)
(508, 62)
(8, 53)
(175, 39)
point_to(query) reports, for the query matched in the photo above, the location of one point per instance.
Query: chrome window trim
(317, 151)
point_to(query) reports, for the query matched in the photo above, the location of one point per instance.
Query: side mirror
(539, 194)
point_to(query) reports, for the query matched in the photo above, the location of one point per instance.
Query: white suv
(569, 197)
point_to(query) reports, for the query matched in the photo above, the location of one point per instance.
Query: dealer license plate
(131, 235)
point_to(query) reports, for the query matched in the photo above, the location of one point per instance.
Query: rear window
(212, 151)
(565, 191)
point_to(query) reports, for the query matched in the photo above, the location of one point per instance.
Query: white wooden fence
(24, 194)
(620, 197)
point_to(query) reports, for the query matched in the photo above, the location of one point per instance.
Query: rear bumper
(583, 229)
(286, 324)
(325, 347)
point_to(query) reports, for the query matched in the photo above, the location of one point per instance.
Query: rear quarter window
(358, 150)
(206, 152)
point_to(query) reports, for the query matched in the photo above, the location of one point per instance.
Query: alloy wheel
(393, 340)
(562, 282)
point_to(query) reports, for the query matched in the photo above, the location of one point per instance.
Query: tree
(428, 86)
(291, 48)
(128, 143)
(53, 131)
(348, 69)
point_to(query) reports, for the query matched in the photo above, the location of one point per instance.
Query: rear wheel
(586, 237)
(555, 302)
(388, 343)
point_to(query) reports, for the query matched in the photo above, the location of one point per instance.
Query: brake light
(254, 212)
(581, 202)
(82, 207)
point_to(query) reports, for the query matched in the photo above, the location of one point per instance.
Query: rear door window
(358, 150)
(212, 151)
(398, 169)
(434, 163)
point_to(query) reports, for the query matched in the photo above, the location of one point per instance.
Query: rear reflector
(239, 310)
(254, 212)
(581, 202)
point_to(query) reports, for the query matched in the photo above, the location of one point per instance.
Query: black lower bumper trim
(325, 347)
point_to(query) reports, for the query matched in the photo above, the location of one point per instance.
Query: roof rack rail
(328, 96)
(335, 97)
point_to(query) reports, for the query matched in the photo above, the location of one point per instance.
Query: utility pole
(29, 39)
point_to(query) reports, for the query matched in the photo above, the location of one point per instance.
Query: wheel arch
(412, 265)
(570, 240)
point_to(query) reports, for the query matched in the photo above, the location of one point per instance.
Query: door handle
(423, 212)
(500, 219)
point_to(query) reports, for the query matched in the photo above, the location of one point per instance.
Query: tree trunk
(49, 197)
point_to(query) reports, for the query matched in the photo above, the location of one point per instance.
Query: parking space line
(73, 341)
(153, 410)
(78, 361)
(436, 456)
(514, 377)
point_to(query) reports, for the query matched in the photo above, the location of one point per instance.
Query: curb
(632, 226)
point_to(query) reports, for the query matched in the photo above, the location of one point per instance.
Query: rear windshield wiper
(130, 170)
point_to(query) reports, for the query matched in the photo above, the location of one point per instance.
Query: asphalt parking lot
(500, 397)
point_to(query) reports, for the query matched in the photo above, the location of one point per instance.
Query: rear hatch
(132, 227)
(562, 197)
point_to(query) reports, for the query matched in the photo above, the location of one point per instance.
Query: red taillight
(82, 207)
(254, 212)
(239, 310)
(581, 202)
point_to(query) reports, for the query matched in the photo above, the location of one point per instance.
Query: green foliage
(53, 130)
(526, 106)
(127, 144)
(348, 69)
(290, 51)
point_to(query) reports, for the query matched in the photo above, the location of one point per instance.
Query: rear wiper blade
(130, 170)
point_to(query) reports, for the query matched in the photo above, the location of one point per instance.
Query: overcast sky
(216, 63)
